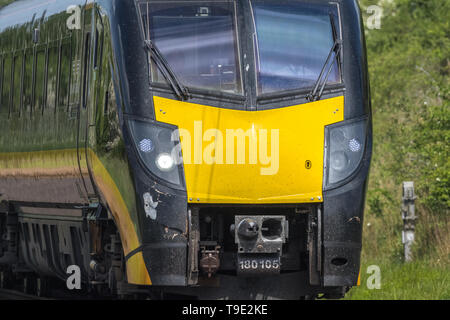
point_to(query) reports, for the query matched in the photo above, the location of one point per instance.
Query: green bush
(5, 2)
(409, 66)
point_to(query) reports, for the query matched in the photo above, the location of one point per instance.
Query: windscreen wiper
(179, 89)
(336, 48)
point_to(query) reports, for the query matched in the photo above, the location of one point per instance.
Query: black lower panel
(166, 263)
(342, 232)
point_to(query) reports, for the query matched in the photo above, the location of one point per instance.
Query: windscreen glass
(293, 41)
(198, 40)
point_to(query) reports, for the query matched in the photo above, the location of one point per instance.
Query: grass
(405, 281)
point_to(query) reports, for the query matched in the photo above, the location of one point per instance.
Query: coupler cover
(260, 241)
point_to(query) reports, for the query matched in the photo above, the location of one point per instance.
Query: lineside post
(409, 218)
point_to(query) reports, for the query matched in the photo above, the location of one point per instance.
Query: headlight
(344, 150)
(165, 162)
(159, 149)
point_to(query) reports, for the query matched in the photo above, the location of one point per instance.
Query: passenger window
(87, 54)
(96, 49)
(75, 78)
(17, 85)
(1, 81)
(40, 80)
(28, 81)
(53, 57)
(65, 75)
(6, 84)
(98, 54)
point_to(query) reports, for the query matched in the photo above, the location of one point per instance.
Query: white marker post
(409, 218)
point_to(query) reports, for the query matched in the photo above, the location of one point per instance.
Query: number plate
(258, 264)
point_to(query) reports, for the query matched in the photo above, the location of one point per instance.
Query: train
(183, 148)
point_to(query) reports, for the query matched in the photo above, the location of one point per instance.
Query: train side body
(63, 154)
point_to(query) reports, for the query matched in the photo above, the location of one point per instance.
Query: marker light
(146, 145)
(354, 145)
(165, 162)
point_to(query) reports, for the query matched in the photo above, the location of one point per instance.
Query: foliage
(5, 2)
(409, 66)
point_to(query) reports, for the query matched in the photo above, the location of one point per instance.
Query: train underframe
(233, 252)
(263, 252)
(40, 245)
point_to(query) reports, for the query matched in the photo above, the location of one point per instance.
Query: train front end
(250, 139)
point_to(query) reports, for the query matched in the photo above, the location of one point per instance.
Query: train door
(88, 81)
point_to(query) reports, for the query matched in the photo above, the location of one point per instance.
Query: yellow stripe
(137, 271)
(43, 160)
(359, 279)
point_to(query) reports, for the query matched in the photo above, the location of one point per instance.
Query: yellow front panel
(286, 166)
